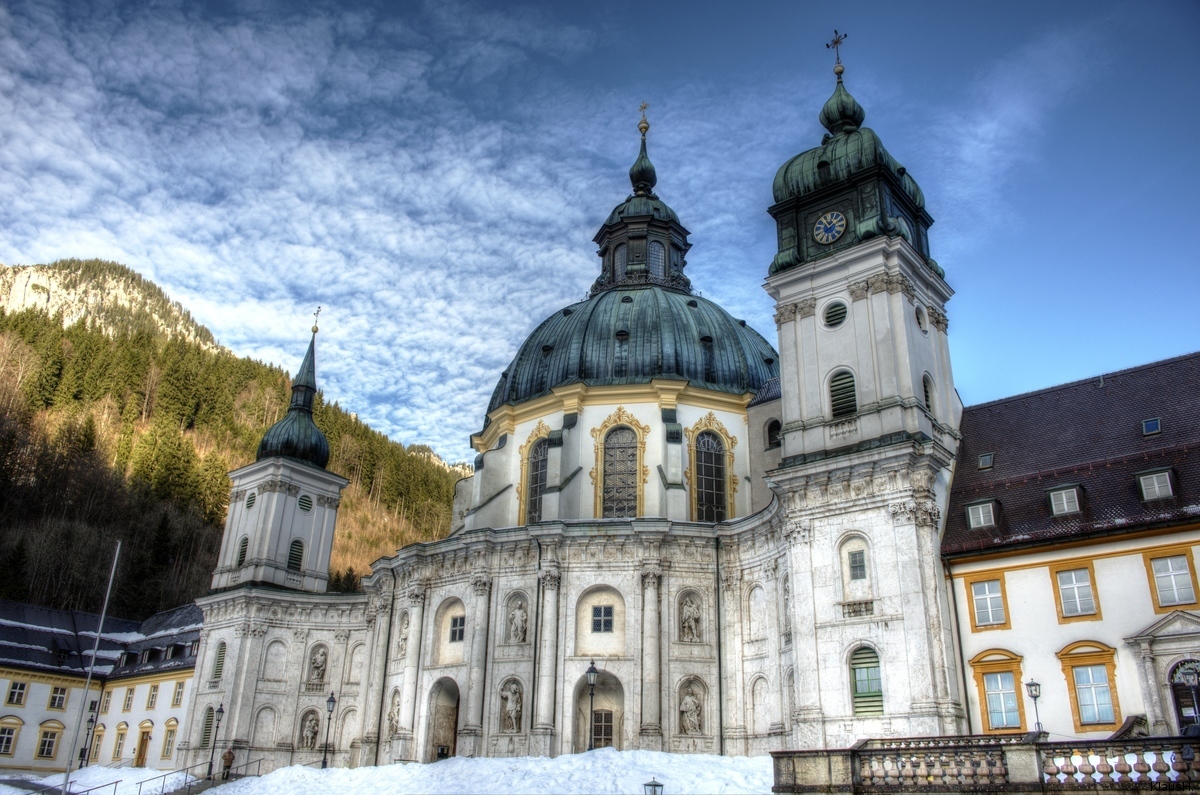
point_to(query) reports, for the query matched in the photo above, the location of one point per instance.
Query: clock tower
(868, 424)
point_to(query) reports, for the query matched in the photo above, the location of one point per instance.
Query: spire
(841, 113)
(642, 175)
(296, 435)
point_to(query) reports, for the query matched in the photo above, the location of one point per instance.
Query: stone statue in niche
(510, 695)
(787, 604)
(689, 620)
(402, 651)
(316, 668)
(690, 721)
(393, 716)
(308, 737)
(518, 620)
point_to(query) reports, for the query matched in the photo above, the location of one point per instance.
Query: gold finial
(316, 315)
(838, 38)
(643, 125)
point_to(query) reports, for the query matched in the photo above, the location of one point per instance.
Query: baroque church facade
(743, 542)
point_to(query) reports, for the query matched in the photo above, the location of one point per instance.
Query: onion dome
(642, 202)
(296, 436)
(848, 149)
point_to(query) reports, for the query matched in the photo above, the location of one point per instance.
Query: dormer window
(982, 514)
(986, 460)
(1151, 427)
(1156, 485)
(1064, 501)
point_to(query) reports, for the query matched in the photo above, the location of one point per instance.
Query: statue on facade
(510, 695)
(517, 620)
(316, 670)
(308, 737)
(689, 620)
(402, 651)
(393, 716)
(689, 712)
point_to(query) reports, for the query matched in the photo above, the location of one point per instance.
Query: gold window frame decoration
(1183, 550)
(709, 422)
(998, 661)
(1090, 652)
(16, 724)
(984, 576)
(540, 431)
(1074, 565)
(619, 417)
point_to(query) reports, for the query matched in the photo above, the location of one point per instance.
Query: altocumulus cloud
(427, 176)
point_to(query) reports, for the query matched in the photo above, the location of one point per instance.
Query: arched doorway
(443, 720)
(1187, 712)
(608, 717)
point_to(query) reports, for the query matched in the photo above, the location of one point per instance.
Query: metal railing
(72, 791)
(229, 775)
(162, 785)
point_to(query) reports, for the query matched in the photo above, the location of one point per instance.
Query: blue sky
(432, 173)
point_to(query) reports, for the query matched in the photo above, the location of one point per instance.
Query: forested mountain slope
(120, 424)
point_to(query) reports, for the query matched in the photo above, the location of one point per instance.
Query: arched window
(843, 402)
(710, 478)
(619, 498)
(538, 458)
(867, 686)
(219, 661)
(296, 555)
(927, 387)
(242, 548)
(206, 732)
(619, 257)
(774, 438)
(658, 260)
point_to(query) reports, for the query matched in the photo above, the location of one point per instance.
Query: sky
(432, 174)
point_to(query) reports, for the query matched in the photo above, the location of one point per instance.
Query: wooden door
(143, 744)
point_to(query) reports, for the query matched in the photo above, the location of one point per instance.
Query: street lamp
(1035, 692)
(87, 741)
(330, 703)
(652, 787)
(213, 747)
(592, 673)
(1191, 678)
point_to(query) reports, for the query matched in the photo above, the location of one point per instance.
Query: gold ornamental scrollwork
(540, 431)
(620, 417)
(709, 422)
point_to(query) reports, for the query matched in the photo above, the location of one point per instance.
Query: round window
(305, 503)
(835, 314)
(250, 500)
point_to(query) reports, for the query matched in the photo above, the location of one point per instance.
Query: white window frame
(47, 744)
(1064, 502)
(994, 685)
(1070, 593)
(8, 738)
(992, 600)
(177, 698)
(16, 694)
(1087, 694)
(1170, 574)
(980, 515)
(152, 697)
(1156, 485)
(128, 705)
(58, 698)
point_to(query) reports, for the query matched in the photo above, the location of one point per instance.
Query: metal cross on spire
(643, 125)
(643, 107)
(316, 316)
(838, 38)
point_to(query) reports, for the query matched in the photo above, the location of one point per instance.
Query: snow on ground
(601, 772)
(90, 777)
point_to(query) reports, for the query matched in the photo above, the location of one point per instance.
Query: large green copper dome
(630, 335)
(296, 436)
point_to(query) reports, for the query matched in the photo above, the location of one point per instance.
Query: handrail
(257, 768)
(165, 776)
(58, 788)
(112, 784)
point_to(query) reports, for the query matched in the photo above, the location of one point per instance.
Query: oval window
(250, 498)
(835, 314)
(305, 503)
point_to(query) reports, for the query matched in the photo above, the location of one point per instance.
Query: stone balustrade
(993, 763)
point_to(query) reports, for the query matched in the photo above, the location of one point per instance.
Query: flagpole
(87, 685)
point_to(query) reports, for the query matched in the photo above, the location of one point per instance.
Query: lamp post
(592, 673)
(1035, 692)
(652, 787)
(87, 741)
(1191, 679)
(330, 703)
(213, 746)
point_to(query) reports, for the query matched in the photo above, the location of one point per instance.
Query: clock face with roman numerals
(829, 227)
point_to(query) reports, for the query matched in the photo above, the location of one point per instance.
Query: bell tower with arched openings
(868, 427)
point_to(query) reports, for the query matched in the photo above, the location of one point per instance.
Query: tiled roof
(768, 392)
(42, 638)
(1087, 433)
